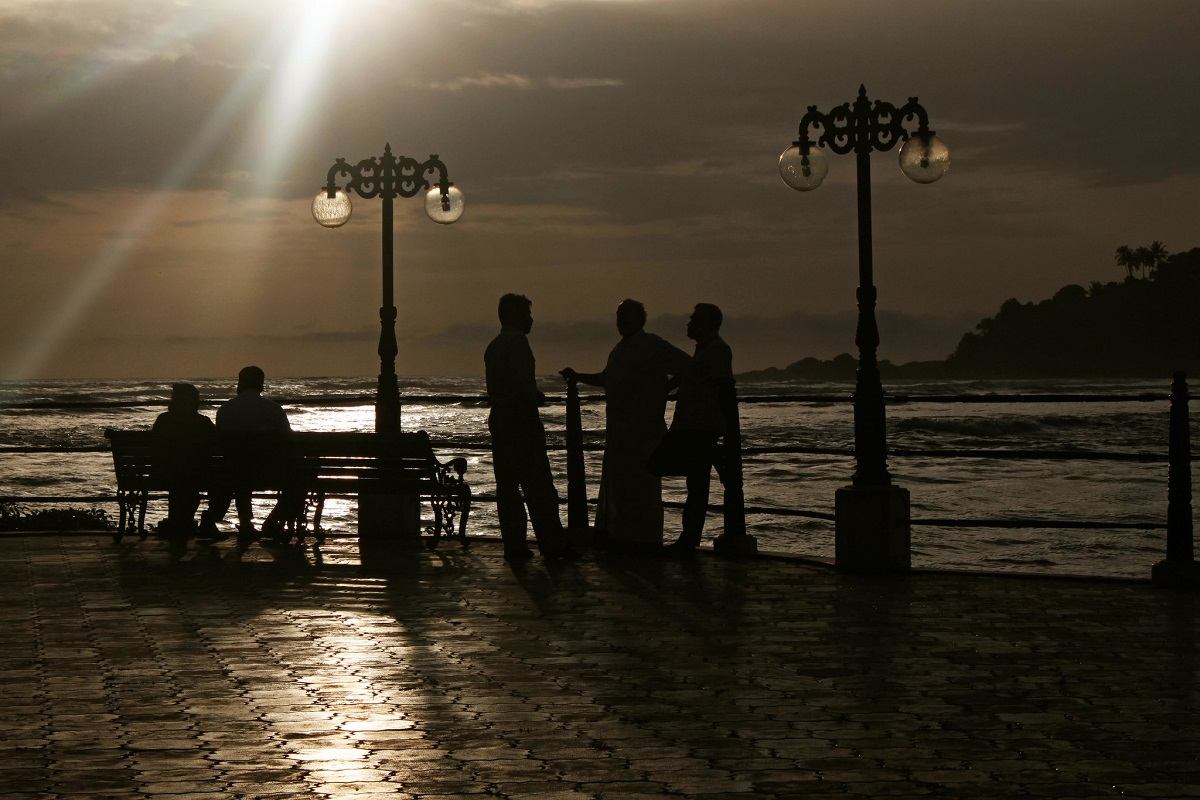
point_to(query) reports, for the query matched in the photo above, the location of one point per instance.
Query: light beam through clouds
(292, 97)
(168, 37)
(295, 88)
(101, 270)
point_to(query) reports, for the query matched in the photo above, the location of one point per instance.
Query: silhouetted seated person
(519, 439)
(690, 446)
(630, 512)
(184, 440)
(252, 431)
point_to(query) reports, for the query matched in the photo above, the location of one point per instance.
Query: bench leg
(449, 508)
(439, 519)
(141, 525)
(464, 500)
(318, 531)
(122, 515)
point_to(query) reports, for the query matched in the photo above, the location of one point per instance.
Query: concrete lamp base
(387, 526)
(872, 529)
(1177, 574)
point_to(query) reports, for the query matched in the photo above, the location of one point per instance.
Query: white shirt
(635, 384)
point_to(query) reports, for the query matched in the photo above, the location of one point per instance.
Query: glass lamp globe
(444, 210)
(803, 173)
(331, 212)
(924, 158)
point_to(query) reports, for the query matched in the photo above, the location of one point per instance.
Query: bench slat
(321, 463)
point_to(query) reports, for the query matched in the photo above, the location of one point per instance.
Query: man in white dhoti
(635, 384)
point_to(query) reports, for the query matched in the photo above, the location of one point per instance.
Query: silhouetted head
(516, 311)
(705, 322)
(631, 317)
(185, 398)
(251, 379)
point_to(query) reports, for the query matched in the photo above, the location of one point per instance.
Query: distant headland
(1147, 325)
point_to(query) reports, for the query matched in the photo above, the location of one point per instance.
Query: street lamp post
(872, 513)
(387, 177)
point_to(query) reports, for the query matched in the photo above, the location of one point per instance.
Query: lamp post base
(387, 524)
(872, 529)
(1177, 574)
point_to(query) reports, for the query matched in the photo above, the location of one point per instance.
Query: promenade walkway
(131, 671)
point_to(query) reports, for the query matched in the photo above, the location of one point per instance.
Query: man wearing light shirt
(635, 381)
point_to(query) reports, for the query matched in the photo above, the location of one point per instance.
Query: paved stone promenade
(133, 671)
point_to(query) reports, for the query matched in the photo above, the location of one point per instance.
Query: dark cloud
(606, 149)
(622, 89)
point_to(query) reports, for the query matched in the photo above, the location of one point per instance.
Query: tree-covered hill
(1147, 325)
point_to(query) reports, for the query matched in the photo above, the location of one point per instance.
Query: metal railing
(1179, 523)
(1179, 526)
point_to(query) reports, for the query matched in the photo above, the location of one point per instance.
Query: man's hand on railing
(570, 375)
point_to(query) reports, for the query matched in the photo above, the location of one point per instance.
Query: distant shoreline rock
(1138, 328)
(843, 367)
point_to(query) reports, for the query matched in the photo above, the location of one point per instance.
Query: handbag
(681, 453)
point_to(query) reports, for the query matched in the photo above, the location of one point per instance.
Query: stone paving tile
(137, 672)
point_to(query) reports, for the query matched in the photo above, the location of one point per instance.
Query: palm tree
(1156, 255)
(1126, 258)
(1141, 258)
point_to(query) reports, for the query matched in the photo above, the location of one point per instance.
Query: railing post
(1179, 475)
(1179, 567)
(577, 513)
(734, 541)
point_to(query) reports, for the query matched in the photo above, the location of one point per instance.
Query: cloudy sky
(159, 159)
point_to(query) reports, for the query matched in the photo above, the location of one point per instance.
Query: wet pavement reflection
(139, 671)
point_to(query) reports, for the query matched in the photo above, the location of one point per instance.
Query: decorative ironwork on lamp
(387, 177)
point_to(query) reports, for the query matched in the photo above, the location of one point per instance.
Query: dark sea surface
(75, 414)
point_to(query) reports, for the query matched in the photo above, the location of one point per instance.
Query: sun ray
(294, 90)
(102, 269)
(292, 97)
(76, 76)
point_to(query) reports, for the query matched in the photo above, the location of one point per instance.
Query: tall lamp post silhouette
(387, 177)
(872, 513)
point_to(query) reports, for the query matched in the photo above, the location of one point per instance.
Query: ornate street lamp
(387, 177)
(872, 514)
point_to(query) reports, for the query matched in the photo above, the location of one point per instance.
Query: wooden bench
(318, 464)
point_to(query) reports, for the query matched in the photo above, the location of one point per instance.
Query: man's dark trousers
(699, 453)
(523, 470)
(693, 454)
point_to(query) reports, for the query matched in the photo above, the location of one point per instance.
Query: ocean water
(75, 414)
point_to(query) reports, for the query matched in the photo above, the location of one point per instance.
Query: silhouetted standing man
(635, 382)
(699, 421)
(518, 438)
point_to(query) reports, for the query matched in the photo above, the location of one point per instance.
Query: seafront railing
(1178, 525)
(1178, 458)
